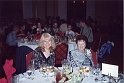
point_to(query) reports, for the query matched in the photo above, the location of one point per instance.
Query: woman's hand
(21, 35)
(19, 38)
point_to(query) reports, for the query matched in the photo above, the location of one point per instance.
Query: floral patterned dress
(78, 58)
(39, 58)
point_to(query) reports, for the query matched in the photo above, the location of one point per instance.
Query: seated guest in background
(87, 31)
(22, 31)
(54, 29)
(63, 26)
(70, 32)
(12, 37)
(80, 56)
(36, 28)
(44, 54)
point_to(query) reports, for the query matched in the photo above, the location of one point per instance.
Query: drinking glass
(43, 69)
(15, 79)
(29, 72)
(32, 66)
(97, 69)
(47, 72)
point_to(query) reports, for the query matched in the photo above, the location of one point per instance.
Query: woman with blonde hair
(44, 54)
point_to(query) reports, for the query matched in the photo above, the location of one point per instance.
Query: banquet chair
(60, 54)
(20, 63)
(104, 38)
(94, 57)
(28, 58)
(96, 43)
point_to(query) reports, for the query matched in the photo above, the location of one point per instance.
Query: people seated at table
(22, 31)
(54, 29)
(12, 37)
(69, 32)
(87, 31)
(80, 56)
(44, 54)
(63, 26)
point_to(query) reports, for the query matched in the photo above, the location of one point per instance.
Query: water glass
(43, 69)
(65, 64)
(29, 72)
(47, 71)
(15, 79)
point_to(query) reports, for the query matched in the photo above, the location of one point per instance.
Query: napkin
(37, 37)
(3, 80)
(9, 70)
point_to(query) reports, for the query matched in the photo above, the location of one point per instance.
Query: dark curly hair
(81, 37)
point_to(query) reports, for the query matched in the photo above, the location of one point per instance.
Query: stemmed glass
(29, 72)
(47, 72)
(32, 66)
(43, 69)
(98, 69)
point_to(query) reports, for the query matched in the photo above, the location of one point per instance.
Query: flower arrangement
(72, 77)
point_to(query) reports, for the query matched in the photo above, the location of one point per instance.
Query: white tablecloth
(30, 45)
(38, 78)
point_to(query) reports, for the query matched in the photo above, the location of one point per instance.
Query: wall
(41, 9)
(27, 8)
(90, 8)
(104, 9)
(44, 8)
(62, 9)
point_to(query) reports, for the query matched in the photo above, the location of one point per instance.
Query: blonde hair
(41, 42)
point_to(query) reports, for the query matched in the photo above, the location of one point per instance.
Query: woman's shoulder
(76, 51)
(52, 53)
(88, 52)
(87, 49)
(38, 49)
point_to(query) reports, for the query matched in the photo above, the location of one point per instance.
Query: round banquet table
(30, 45)
(38, 78)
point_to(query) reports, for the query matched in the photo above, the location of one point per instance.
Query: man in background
(87, 31)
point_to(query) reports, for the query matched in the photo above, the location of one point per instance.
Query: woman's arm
(35, 57)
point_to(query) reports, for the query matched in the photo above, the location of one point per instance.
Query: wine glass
(29, 72)
(32, 66)
(43, 69)
(47, 72)
(15, 78)
(64, 61)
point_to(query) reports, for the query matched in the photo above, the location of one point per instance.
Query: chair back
(20, 63)
(96, 41)
(28, 58)
(60, 53)
(94, 57)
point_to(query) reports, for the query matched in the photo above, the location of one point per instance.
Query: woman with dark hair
(22, 31)
(80, 56)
